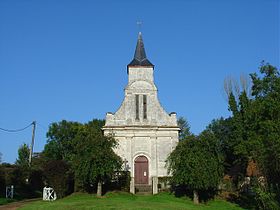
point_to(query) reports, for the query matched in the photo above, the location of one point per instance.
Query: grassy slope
(127, 201)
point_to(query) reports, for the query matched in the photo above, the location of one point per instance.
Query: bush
(120, 181)
(2, 182)
(59, 176)
(36, 181)
(265, 200)
(164, 183)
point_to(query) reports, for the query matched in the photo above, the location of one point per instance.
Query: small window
(145, 106)
(137, 107)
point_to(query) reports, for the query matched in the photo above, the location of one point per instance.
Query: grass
(124, 201)
(4, 201)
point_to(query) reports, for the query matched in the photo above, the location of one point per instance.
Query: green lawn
(122, 201)
(4, 201)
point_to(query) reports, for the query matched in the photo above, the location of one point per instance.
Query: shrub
(59, 176)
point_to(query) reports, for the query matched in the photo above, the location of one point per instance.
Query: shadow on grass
(183, 190)
(243, 200)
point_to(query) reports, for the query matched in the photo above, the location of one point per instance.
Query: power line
(43, 127)
(16, 130)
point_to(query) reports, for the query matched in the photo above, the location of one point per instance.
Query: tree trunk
(195, 197)
(99, 189)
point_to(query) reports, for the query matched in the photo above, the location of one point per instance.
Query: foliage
(120, 181)
(16, 175)
(95, 160)
(121, 201)
(23, 156)
(86, 150)
(265, 121)
(193, 160)
(58, 176)
(4, 201)
(265, 200)
(184, 128)
(61, 140)
(252, 134)
(27, 184)
(28, 181)
(36, 181)
(230, 137)
(2, 181)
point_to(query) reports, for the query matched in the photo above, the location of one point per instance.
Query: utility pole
(32, 142)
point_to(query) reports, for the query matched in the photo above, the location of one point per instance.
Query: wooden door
(141, 170)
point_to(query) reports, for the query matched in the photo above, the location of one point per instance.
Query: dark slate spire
(140, 58)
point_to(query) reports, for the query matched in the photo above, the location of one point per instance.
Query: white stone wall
(154, 142)
(154, 137)
(141, 83)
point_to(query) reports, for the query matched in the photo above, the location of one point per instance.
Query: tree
(23, 156)
(193, 160)
(185, 128)
(255, 123)
(61, 140)
(95, 161)
(67, 141)
(254, 128)
(234, 87)
(236, 129)
(264, 116)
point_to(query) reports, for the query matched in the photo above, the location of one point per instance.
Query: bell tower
(145, 132)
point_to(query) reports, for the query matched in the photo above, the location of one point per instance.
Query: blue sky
(63, 59)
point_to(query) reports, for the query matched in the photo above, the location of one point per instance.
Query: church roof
(140, 58)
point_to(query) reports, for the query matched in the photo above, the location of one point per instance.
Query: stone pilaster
(132, 187)
(155, 185)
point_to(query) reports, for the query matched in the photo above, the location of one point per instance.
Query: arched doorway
(141, 170)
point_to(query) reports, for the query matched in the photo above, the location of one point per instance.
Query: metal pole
(32, 142)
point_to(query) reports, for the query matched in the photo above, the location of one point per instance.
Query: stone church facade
(145, 132)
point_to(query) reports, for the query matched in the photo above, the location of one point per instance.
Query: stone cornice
(141, 127)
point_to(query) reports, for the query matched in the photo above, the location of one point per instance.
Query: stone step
(143, 189)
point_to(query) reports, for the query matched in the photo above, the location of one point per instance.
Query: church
(145, 132)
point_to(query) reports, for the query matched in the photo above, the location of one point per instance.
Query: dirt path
(16, 205)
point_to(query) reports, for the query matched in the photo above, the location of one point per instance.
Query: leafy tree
(264, 116)
(185, 128)
(256, 123)
(234, 132)
(95, 161)
(23, 156)
(192, 162)
(230, 134)
(61, 140)
(68, 140)
(253, 131)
